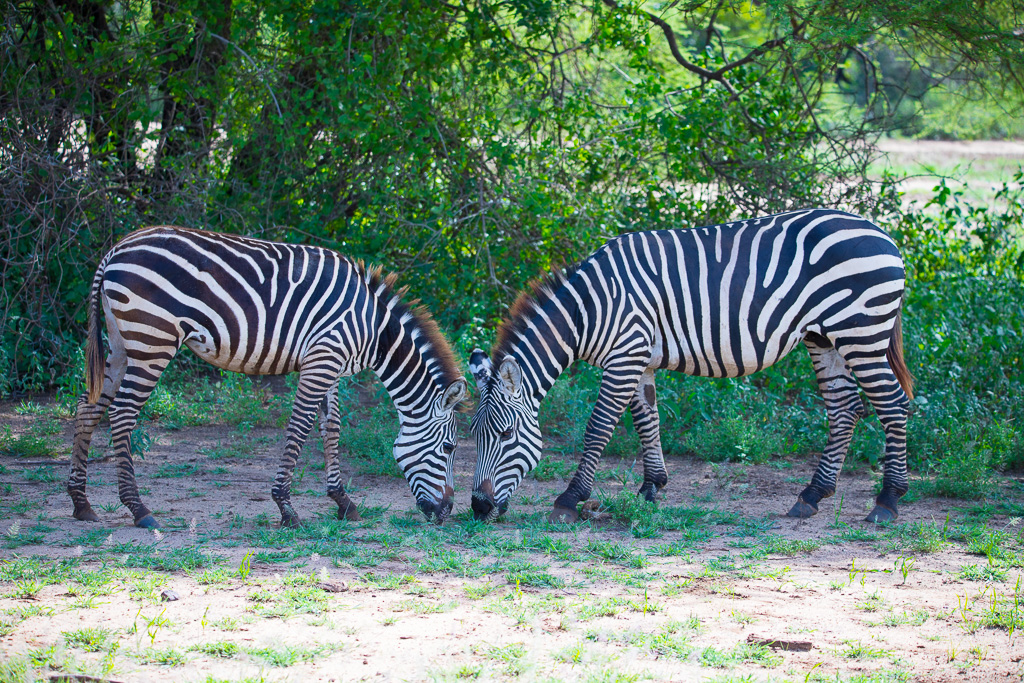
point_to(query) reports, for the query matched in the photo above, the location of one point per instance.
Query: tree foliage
(469, 145)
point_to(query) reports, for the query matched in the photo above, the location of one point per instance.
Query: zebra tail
(894, 354)
(94, 360)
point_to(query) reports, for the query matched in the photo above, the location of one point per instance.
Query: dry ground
(394, 598)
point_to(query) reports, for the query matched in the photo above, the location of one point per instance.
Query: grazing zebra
(264, 308)
(722, 301)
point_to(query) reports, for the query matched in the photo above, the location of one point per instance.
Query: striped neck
(403, 364)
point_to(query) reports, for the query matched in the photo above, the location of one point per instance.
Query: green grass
(91, 639)
(743, 653)
(27, 446)
(222, 649)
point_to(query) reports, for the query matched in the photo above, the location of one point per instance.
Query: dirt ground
(393, 598)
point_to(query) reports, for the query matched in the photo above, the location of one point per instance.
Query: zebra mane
(536, 294)
(383, 285)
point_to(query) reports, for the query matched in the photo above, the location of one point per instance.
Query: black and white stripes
(720, 301)
(259, 307)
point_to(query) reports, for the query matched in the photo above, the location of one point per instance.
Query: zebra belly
(200, 341)
(669, 352)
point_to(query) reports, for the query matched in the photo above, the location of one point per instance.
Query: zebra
(265, 308)
(719, 301)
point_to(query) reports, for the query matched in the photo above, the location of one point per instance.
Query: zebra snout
(437, 510)
(483, 503)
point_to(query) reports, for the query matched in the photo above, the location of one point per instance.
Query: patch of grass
(534, 579)
(440, 560)
(387, 582)
(915, 618)
(855, 649)
(178, 470)
(981, 572)
(27, 445)
(171, 560)
(872, 602)
(289, 655)
(170, 656)
(668, 642)
(773, 544)
(617, 553)
(509, 658)
(426, 607)
(743, 653)
(91, 639)
(917, 537)
(752, 437)
(223, 649)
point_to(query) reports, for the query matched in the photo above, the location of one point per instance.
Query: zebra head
(425, 449)
(507, 434)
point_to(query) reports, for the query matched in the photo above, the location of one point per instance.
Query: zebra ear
(511, 376)
(480, 366)
(454, 394)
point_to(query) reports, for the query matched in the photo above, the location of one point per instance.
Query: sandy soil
(373, 625)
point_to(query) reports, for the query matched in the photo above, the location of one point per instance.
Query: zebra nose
(483, 500)
(435, 510)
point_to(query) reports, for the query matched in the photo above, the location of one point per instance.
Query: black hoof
(649, 491)
(85, 514)
(561, 515)
(881, 515)
(147, 521)
(290, 522)
(802, 510)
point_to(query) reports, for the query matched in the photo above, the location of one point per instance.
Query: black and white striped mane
(437, 352)
(537, 293)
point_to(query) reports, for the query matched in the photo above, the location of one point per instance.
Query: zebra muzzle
(438, 510)
(483, 504)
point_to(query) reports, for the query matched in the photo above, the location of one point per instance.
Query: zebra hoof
(349, 512)
(802, 510)
(561, 515)
(85, 514)
(649, 491)
(147, 521)
(290, 521)
(882, 514)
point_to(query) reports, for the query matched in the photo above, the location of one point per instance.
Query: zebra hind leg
(138, 383)
(644, 408)
(845, 408)
(318, 375)
(330, 428)
(891, 403)
(87, 417)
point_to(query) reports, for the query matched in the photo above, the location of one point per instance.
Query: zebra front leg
(330, 425)
(617, 387)
(644, 408)
(318, 374)
(844, 408)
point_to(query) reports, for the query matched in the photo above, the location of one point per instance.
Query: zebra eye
(506, 435)
(448, 448)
